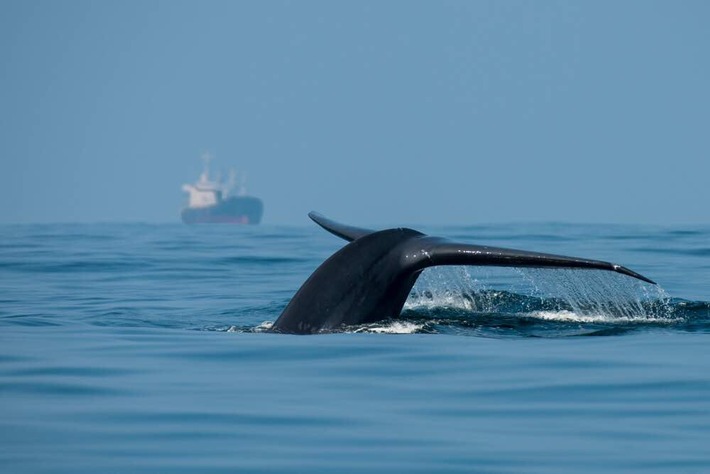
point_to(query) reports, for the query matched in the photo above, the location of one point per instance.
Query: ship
(219, 202)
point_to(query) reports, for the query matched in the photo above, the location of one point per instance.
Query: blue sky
(378, 112)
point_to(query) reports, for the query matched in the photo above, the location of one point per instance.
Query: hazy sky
(382, 112)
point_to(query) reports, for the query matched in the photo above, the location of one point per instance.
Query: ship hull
(234, 210)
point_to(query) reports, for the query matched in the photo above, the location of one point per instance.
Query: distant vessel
(213, 202)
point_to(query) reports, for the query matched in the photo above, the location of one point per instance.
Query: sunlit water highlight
(146, 348)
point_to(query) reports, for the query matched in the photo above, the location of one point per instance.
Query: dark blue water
(143, 348)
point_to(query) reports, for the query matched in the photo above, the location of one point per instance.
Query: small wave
(383, 327)
(391, 327)
(264, 326)
(572, 317)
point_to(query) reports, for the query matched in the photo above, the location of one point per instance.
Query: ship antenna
(243, 184)
(207, 157)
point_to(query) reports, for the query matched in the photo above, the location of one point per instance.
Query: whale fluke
(343, 231)
(371, 277)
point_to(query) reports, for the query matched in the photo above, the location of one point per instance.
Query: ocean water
(145, 348)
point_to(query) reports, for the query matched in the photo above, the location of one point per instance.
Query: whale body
(370, 278)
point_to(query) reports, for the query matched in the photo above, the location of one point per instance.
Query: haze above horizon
(454, 112)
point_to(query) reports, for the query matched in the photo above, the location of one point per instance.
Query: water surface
(142, 348)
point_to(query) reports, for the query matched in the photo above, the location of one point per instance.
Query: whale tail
(370, 278)
(438, 251)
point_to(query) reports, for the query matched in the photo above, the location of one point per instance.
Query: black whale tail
(370, 278)
(444, 252)
(344, 231)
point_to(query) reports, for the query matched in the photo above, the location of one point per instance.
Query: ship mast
(206, 157)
